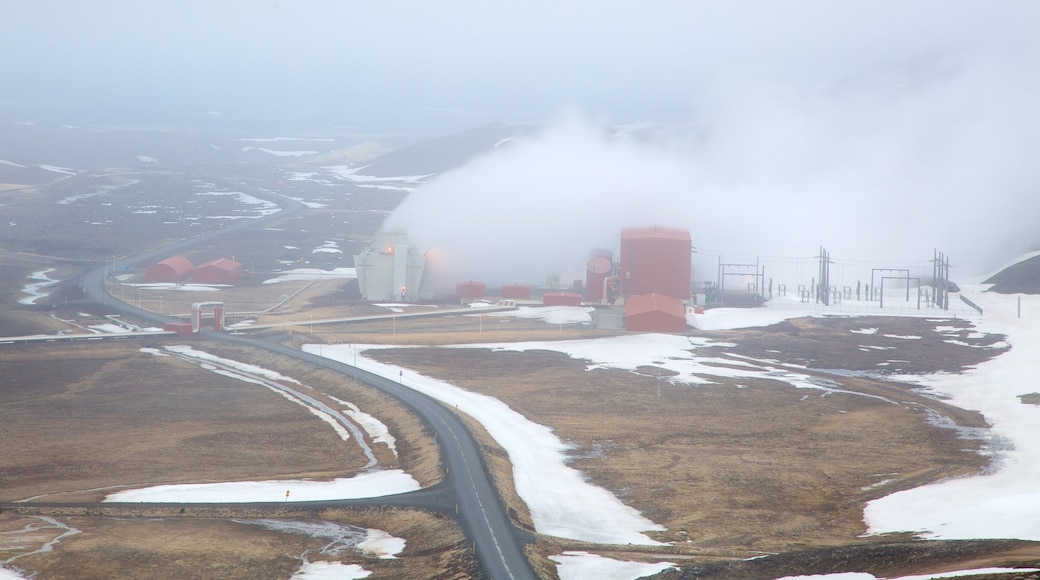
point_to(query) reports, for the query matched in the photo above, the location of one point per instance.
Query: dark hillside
(1020, 278)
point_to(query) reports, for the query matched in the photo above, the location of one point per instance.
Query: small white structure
(390, 270)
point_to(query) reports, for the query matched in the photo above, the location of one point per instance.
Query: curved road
(497, 543)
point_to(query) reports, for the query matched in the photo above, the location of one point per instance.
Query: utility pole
(941, 280)
(823, 293)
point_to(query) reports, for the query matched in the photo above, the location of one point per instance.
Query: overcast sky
(455, 64)
(906, 124)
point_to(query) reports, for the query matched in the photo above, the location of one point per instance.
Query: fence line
(929, 310)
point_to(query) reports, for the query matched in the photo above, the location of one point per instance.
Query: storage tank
(596, 272)
(516, 292)
(469, 290)
(655, 260)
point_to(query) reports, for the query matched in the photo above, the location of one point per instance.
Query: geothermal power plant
(651, 276)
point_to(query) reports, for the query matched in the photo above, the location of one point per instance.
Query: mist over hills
(445, 153)
(906, 156)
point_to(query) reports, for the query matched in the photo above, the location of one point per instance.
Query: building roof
(178, 265)
(656, 232)
(221, 264)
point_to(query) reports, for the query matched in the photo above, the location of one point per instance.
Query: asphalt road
(497, 543)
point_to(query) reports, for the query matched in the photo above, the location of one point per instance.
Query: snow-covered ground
(1005, 503)
(330, 571)
(261, 207)
(372, 484)
(354, 175)
(313, 274)
(938, 576)
(562, 503)
(551, 314)
(961, 508)
(35, 290)
(583, 565)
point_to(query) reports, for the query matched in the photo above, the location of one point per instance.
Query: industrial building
(390, 269)
(220, 271)
(561, 299)
(174, 269)
(655, 313)
(655, 260)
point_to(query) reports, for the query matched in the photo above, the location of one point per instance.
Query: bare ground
(224, 543)
(733, 470)
(740, 469)
(78, 422)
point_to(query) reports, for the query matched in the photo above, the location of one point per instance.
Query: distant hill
(355, 154)
(445, 153)
(1022, 277)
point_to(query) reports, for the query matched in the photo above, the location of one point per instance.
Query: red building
(222, 271)
(655, 313)
(469, 290)
(516, 292)
(655, 260)
(172, 269)
(181, 328)
(561, 299)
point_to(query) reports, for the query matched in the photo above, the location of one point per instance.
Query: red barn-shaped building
(561, 299)
(469, 290)
(172, 269)
(655, 260)
(222, 271)
(516, 292)
(655, 313)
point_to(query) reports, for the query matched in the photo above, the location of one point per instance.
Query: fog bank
(906, 157)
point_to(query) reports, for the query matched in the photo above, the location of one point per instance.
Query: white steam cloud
(934, 152)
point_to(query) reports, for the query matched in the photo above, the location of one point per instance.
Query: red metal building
(516, 292)
(655, 313)
(181, 328)
(561, 299)
(469, 290)
(655, 260)
(222, 271)
(172, 269)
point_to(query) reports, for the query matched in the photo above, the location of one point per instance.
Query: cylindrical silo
(596, 271)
